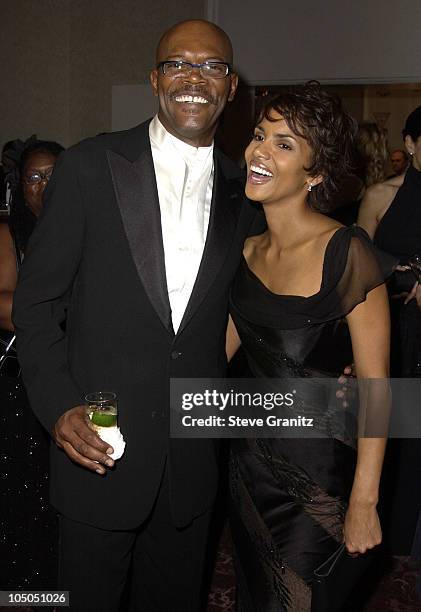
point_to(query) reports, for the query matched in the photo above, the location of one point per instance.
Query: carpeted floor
(394, 591)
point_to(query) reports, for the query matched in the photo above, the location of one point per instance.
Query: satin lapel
(222, 223)
(137, 198)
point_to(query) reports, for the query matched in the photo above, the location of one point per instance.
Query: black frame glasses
(208, 70)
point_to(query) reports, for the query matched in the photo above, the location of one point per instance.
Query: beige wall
(60, 59)
(34, 44)
(333, 41)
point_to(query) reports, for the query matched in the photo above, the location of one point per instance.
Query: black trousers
(162, 564)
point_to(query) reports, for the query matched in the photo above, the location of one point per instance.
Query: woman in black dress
(27, 523)
(294, 501)
(391, 213)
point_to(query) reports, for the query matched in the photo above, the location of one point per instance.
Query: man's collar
(161, 138)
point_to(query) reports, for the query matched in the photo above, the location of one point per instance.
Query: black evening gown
(399, 233)
(288, 497)
(28, 524)
(28, 529)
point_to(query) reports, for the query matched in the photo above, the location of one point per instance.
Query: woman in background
(391, 214)
(28, 524)
(371, 154)
(35, 168)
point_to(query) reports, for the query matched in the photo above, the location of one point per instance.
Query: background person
(35, 167)
(368, 168)
(391, 214)
(372, 153)
(399, 161)
(29, 537)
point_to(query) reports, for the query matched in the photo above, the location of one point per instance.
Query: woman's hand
(414, 293)
(362, 529)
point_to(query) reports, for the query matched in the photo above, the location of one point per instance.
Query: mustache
(193, 91)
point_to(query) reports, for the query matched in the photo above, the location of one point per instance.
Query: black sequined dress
(28, 524)
(289, 496)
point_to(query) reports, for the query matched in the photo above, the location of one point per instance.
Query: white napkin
(114, 437)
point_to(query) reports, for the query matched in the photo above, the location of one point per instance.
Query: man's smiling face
(190, 105)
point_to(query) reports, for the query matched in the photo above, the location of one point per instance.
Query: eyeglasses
(209, 70)
(38, 176)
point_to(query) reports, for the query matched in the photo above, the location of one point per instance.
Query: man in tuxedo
(139, 240)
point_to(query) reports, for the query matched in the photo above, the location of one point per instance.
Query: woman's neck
(287, 222)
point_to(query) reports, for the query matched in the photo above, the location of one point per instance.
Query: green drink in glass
(102, 408)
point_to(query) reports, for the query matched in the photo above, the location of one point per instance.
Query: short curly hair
(318, 117)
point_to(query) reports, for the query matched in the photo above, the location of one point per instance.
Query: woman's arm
(8, 276)
(232, 342)
(369, 325)
(374, 204)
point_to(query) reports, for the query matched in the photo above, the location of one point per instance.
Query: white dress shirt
(184, 177)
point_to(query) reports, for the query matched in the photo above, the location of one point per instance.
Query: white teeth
(191, 99)
(260, 170)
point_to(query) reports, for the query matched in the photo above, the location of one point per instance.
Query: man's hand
(75, 434)
(345, 393)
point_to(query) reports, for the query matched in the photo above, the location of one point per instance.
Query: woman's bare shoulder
(395, 181)
(380, 195)
(381, 189)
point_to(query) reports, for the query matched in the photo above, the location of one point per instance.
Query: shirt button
(175, 355)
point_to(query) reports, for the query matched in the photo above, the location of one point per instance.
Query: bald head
(399, 161)
(192, 98)
(195, 30)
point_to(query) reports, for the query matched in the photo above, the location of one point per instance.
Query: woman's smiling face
(276, 161)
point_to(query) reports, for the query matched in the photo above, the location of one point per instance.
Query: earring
(411, 153)
(309, 188)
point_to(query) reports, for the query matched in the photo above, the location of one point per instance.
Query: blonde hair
(372, 153)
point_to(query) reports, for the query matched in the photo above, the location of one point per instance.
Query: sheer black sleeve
(357, 268)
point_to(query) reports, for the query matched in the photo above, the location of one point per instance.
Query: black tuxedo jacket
(97, 256)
